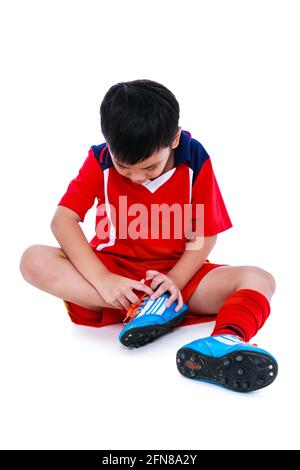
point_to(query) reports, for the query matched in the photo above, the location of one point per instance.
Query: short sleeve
(85, 188)
(206, 191)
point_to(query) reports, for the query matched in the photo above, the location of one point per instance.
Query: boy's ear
(177, 138)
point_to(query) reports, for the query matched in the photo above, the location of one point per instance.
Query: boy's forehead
(156, 157)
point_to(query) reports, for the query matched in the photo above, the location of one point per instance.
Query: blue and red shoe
(228, 361)
(150, 319)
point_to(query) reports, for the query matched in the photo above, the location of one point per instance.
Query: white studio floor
(234, 70)
(71, 387)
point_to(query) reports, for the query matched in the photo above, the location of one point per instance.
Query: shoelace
(251, 344)
(134, 309)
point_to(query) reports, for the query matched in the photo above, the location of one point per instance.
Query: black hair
(138, 118)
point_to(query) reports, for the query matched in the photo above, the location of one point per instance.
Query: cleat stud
(236, 384)
(130, 334)
(182, 369)
(140, 335)
(193, 365)
(245, 385)
(193, 358)
(240, 371)
(261, 362)
(182, 356)
(192, 373)
(271, 374)
(178, 360)
(226, 362)
(223, 380)
(260, 381)
(270, 367)
(239, 358)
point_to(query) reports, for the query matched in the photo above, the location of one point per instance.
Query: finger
(157, 281)
(132, 297)
(174, 295)
(142, 287)
(180, 303)
(171, 298)
(124, 302)
(151, 273)
(161, 290)
(117, 304)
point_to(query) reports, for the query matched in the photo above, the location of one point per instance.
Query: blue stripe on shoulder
(102, 155)
(198, 157)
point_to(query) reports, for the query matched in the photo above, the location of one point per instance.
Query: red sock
(243, 313)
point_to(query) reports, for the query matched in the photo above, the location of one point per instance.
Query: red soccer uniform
(120, 202)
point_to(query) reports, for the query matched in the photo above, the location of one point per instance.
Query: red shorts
(109, 316)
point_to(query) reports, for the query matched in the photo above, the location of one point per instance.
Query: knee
(264, 276)
(31, 262)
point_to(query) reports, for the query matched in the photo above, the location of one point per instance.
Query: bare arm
(116, 290)
(67, 231)
(190, 262)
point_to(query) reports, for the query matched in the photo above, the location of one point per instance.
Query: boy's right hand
(117, 290)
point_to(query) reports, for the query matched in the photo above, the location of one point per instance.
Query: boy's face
(151, 168)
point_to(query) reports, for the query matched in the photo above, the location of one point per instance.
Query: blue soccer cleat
(227, 361)
(150, 320)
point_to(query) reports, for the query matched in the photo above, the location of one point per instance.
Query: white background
(234, 67)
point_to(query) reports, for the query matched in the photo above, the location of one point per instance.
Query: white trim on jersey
(112, 228)
(191, 174)
(159, 181)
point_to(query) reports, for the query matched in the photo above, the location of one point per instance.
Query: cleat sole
(259, 370)
(137, 337)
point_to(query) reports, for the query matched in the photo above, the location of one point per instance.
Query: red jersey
(190, 182)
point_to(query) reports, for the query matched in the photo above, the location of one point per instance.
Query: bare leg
(49, 269)
(219, 283)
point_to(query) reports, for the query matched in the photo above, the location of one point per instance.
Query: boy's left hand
(166, 284)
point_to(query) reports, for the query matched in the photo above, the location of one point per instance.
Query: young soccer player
(159, 211)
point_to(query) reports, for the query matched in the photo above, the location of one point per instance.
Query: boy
(145, 267)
